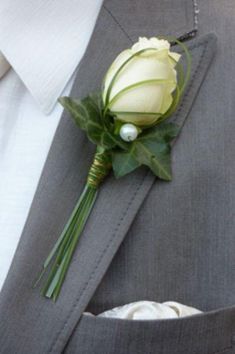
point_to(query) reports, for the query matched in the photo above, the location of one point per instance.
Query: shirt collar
(44, 41)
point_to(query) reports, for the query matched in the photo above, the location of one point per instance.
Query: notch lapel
(30, 323)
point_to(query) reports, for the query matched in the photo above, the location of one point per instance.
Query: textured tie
(4, 65)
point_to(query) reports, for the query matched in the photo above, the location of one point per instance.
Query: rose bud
(141, 92)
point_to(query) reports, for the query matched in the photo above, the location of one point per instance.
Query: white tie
(4, 65)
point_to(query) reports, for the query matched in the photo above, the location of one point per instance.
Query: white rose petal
(145, 84)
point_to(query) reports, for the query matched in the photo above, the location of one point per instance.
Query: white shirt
(44, 42)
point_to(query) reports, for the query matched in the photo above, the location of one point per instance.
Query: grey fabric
(150, 18)
(201, 334)
(178, 239)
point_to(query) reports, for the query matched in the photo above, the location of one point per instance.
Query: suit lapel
(29, 322)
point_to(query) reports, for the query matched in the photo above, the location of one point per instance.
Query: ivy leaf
(155, 155)
(87, 114)
(76, 110)
(163, 131)
(152, 149)
(123, 163)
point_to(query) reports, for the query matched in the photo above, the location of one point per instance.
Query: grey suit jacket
(145, 239)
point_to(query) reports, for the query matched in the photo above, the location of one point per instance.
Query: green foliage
(87, 114)
(153, 145)
(124, 162)
(152, 148)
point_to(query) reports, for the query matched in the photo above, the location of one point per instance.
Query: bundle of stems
(61, 254)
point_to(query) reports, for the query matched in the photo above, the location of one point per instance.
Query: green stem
(65, 242)
(60, 243)
(60, 257)
(87, 209)
(55, 284)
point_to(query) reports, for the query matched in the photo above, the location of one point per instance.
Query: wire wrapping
(99, 169)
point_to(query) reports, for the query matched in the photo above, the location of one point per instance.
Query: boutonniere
(127, 121)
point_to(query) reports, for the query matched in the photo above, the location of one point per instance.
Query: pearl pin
(128, 132)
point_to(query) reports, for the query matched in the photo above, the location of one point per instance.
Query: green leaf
(87, 114)
(123, 163)
(76, 110)
(152, 149)
(155, 155)
(163, 131)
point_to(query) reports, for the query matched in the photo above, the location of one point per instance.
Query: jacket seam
(195, 15)
(223, 350)
(118, 23)
(191, 85)
(189, 35)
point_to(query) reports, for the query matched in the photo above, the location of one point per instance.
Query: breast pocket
(207, 333)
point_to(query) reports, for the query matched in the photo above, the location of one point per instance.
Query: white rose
(144, 97)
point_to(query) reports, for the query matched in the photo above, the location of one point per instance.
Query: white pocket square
(150, 310)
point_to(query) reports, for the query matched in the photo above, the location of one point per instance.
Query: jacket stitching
(190, 34)
(190, 85)
(223, 350)
(118, 23)
(195, 14)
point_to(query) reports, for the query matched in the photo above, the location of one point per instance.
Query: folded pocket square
(149, 310)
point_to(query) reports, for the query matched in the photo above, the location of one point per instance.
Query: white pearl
(128, 132)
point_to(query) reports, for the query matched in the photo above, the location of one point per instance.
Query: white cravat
(44, 42)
